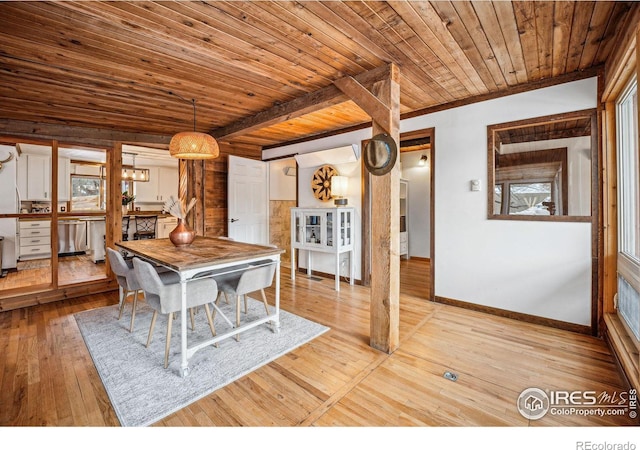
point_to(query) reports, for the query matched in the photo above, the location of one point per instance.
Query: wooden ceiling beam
(81, 135)
(314, 101)
(362, 97)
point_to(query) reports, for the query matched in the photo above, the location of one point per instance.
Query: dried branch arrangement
(177, 208)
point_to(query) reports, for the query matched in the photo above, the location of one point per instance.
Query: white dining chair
(165, 297)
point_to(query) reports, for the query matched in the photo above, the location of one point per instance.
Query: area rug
(142, 391)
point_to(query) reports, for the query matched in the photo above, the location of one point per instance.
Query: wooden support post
(385, 231)
(113, 232)
(182, 182)
(54, 212)
(192, 186)
(382, 103)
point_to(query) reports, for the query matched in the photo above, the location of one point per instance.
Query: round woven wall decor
(321, 182)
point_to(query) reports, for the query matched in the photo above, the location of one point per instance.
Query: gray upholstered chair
(123, 269)
(253, 277)
(165, 297)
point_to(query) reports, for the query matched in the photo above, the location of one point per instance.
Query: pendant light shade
(192, 144)
(339, 189)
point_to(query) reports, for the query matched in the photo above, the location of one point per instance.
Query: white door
(248, 200)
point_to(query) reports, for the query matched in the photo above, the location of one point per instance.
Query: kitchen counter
(148, 213)
(62, 219)
(33, 218)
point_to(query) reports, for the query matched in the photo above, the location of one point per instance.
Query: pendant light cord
(194, 114)
(193, 102)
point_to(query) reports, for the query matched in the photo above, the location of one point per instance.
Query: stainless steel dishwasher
(72, 237)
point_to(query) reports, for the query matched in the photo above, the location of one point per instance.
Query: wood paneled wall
(215, 199)
(215, 188)
(280, 226)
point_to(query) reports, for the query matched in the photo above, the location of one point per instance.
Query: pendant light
(133, 173)
(193, 145)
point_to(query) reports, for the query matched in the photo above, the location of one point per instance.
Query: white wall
(419, 178)
(281, 186)
(538, 268)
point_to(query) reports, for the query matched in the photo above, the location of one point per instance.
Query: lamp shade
(423, 160)
(193, 145)
(339, 189)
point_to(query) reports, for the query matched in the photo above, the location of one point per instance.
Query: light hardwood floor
(71, 269)
(48, 378)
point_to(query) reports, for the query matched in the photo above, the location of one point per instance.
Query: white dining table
(203, 255)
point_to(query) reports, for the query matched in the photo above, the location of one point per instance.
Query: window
(85, 193)
(530, 198)
(628, 209)
(497, 198)
(540, 168)
(628, 168)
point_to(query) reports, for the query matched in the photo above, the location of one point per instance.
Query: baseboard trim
(316, 273)
(582, 329)
(418, 258)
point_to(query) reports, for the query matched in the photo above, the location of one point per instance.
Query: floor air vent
(450, 376)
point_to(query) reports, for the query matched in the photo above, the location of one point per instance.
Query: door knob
(234, 220)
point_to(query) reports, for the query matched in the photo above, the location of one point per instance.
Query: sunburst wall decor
(321, 182)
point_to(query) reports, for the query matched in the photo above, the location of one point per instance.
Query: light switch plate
(475, 185)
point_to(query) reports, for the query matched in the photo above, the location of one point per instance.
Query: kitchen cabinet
(34, 178)
(38, 178)
(325, 230)
(165, 226)
(404, 219)
(35, 239)
(167, 183)
(162, 184)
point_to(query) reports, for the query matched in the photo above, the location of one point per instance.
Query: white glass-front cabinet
(326, 230)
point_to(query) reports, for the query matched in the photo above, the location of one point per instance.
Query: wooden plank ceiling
(559, 129)
(112, 65)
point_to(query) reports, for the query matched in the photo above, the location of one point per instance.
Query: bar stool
(125, 228)
(145, 227)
